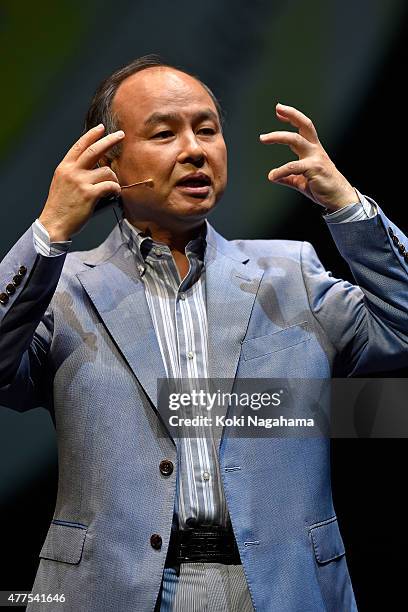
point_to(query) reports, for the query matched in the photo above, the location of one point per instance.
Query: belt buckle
(203, 545)
(206, 545)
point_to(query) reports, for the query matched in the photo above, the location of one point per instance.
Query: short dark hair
(100, 110)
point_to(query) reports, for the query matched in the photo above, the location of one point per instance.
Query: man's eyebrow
(158, 117)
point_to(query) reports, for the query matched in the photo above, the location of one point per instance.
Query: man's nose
(191, 151)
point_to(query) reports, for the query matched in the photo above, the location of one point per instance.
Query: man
(165, 296)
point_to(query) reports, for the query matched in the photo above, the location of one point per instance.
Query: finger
(86, 139)
(99, 175)
(101, 190)
(293, 181)
(296, 118)
(297, 143)
(293, 167)
(96, 150)
(288, 180)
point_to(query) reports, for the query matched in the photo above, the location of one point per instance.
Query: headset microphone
(148, 182)
(104, 203)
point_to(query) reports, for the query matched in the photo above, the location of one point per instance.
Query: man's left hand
(313, 174)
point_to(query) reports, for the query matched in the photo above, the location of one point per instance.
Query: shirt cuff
(358, 211)
(44, 246)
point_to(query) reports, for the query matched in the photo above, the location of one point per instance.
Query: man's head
(172, 125)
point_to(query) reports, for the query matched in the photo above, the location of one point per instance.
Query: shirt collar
(142, 244)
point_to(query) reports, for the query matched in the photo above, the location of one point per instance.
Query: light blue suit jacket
(77, 337)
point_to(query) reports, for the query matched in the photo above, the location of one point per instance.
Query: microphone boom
(148, 182)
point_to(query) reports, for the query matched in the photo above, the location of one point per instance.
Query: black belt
(212, 544)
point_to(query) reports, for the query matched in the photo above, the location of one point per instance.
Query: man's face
(171, 130)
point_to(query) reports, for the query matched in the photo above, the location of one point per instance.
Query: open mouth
(196, 185)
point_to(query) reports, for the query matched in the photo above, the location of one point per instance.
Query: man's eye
(163, 134)
(207, 131)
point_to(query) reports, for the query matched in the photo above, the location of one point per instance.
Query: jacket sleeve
(27, 283)
(366, 323)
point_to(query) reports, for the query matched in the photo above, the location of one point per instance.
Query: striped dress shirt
(179, 314)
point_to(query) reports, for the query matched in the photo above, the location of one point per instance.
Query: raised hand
(77, 185)
(313, 174)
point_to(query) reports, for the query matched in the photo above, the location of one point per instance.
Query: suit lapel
(117, 292)
(232, 282)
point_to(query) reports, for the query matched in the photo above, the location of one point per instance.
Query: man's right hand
(77, 185)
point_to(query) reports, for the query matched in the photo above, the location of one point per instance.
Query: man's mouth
(196, 184)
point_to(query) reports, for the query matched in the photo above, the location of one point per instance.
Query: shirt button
(156, 541)
(182, 296)
(166, 467)
(141, 269)
(190, 355)
(157, 252)
(206, 475)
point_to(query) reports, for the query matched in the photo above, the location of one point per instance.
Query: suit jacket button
(406, 256)
(390, 231)
(10, 289)
(4, 298)
(166, 467)
(156, 541)
(22, 270)
(17, 280)
(395, 240)
(401, 248)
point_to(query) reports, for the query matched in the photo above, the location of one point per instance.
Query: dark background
(341, 63)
